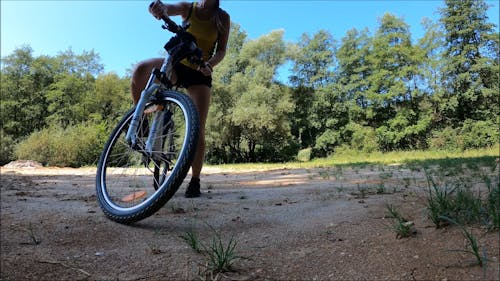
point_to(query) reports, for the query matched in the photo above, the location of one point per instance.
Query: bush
(363, 138)
(74, 146)
(7, 144)
(277, 149)
(479, 134)
(473, 134)
(326, 143)
(304, 155)
(446, 139)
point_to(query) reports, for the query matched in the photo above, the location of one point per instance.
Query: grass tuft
(401, 226)
(192, 240)
(220, 255)
(472, 241)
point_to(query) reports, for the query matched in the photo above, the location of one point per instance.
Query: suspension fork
(150, 89)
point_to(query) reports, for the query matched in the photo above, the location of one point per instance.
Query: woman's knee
(143, 69)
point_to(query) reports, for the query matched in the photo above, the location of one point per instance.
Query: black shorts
(186, 77)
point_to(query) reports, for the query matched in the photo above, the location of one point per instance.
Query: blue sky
(123, 32)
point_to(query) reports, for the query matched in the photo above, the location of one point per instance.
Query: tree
(65, 100)
(354, 71)
(37, 91)
(72, 86)
(431, 45)
(223, 138)
(471, 74)
(313, 61)
(250, 110)
(393, 93)
(330, 115)
(109, 99)
(24, 80)
(262, 109)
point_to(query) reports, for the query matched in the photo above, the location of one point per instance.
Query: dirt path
(317, 224)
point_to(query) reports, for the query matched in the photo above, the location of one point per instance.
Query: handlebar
(169, 24)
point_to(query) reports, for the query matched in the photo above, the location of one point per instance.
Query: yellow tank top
(205, 32)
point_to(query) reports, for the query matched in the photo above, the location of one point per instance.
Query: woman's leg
(140, 76)
(200, 94)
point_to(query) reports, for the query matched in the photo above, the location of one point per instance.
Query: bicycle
(150, 151)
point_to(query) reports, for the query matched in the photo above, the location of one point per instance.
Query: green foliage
(43, 90)
(446, 139)
(363, 138)
(191, 238)
(304, 155)
(492, 205)
(401, 226)
(73, 146)
(458, 201)
(64, 99)
(472, 241)
(471, 70)
(6, 148)
(330, 117)
(472, 134)
(476, 134)
(313, 59)
(220, 255)
(248, 120)
(23, 82)
(439, 204)
(377, 91)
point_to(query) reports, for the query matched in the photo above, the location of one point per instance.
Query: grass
(32, 234)
(191, 238)
(492, 205)
(472, 241)
(220, 256)
(439, 203)
(455, 197)
(413, 159)
(401, 226)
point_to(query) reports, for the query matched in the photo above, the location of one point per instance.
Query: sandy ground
(304, 224)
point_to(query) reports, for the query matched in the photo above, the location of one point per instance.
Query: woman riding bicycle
(209, 24)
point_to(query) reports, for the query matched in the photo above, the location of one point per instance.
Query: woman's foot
(193, 189)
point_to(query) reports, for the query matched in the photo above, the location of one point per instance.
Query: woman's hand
(158, 9)
(206, 69)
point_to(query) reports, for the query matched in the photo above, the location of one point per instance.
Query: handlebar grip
(172, 26)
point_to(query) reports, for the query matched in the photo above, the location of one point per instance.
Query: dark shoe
(193, 189)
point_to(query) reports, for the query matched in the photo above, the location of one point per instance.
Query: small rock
(23, 164)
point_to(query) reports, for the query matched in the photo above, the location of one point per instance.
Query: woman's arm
(220, 52)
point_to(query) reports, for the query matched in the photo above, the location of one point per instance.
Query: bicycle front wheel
(133, 183)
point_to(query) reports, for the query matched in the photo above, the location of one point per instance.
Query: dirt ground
(303, 224)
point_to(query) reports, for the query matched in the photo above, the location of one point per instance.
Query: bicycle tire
(118, 156)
